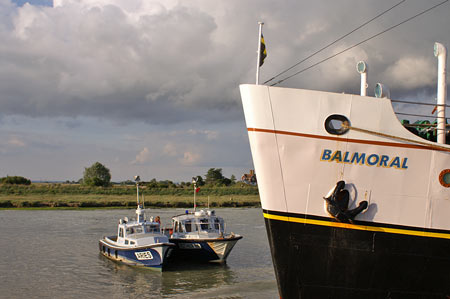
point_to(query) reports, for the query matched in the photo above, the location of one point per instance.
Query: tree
(97, 175)
(214, 176)
(200, 181)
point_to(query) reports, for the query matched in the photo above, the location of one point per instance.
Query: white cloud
(144, 156)
(412, 72)
(190, 158)
(170, 150)
(16, 142)
(209, 134)
(162, 61)
(156, 68)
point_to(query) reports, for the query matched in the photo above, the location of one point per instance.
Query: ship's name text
(364, 159)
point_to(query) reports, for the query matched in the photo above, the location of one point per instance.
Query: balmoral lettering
(368, 159)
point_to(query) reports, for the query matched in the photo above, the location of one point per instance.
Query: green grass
(124, 201)
(42, 195)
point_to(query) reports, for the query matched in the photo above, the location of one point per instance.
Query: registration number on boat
(144, 255)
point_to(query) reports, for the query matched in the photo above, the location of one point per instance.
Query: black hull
(198, 250)
(327, 261)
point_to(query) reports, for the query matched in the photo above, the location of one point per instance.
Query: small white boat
(138, 242)
(201, 236)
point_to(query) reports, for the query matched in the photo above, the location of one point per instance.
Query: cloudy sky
(150, 87)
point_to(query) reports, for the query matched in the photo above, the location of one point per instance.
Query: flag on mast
(263, 54)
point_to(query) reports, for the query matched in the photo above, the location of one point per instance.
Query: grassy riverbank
(76, 196)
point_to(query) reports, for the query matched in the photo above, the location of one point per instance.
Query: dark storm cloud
(181, 61)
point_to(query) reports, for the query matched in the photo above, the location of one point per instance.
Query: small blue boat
(138, 242)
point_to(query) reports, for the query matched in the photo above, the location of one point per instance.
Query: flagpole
(195, 191)
(259, 52)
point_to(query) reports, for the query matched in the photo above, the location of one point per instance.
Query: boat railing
(425, 128)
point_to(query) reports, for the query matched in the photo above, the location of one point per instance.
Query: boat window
(204, 224)
(188, 226)
(337, 124)
(134, 230)
(151, 228)
(126, 242)
(121, 232)
(132, 242)
(216, 223)
(444, 178)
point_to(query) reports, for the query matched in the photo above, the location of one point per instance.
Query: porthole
(336, 124)
(444, 178)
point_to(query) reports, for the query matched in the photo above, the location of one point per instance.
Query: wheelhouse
(129, 232)
(198, 222)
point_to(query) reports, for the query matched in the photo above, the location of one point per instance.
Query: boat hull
(355, 261)
(399, 247)
(203, 250)
(152, 256)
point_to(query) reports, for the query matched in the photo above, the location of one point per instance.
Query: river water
(54, 254)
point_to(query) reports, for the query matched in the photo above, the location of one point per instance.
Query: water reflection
(189, 277)
(174, 280)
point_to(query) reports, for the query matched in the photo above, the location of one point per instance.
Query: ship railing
(426, 129)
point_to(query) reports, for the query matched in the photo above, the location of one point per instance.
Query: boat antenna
(332, 43)
(137, 179)
(143, 200)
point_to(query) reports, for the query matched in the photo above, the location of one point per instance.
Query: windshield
(151, 228)
(134, 230)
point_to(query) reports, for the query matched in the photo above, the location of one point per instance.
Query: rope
(420, 115)
(431, 146)
(332, 43)
(418, 103)
(361, 42)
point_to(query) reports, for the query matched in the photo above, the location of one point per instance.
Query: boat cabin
(197, 223)
(140, 231)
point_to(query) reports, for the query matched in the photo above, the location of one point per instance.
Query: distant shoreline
(28, 203)
(123, 201)
(70, 196)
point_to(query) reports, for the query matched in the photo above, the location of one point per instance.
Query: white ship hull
(399, 245)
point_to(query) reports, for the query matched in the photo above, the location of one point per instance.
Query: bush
(15, 180)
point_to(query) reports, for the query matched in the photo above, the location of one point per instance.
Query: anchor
(337, 201)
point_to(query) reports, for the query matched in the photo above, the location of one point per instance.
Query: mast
(194, 182)
(139, 211)
(259, 52)
(137, 179)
